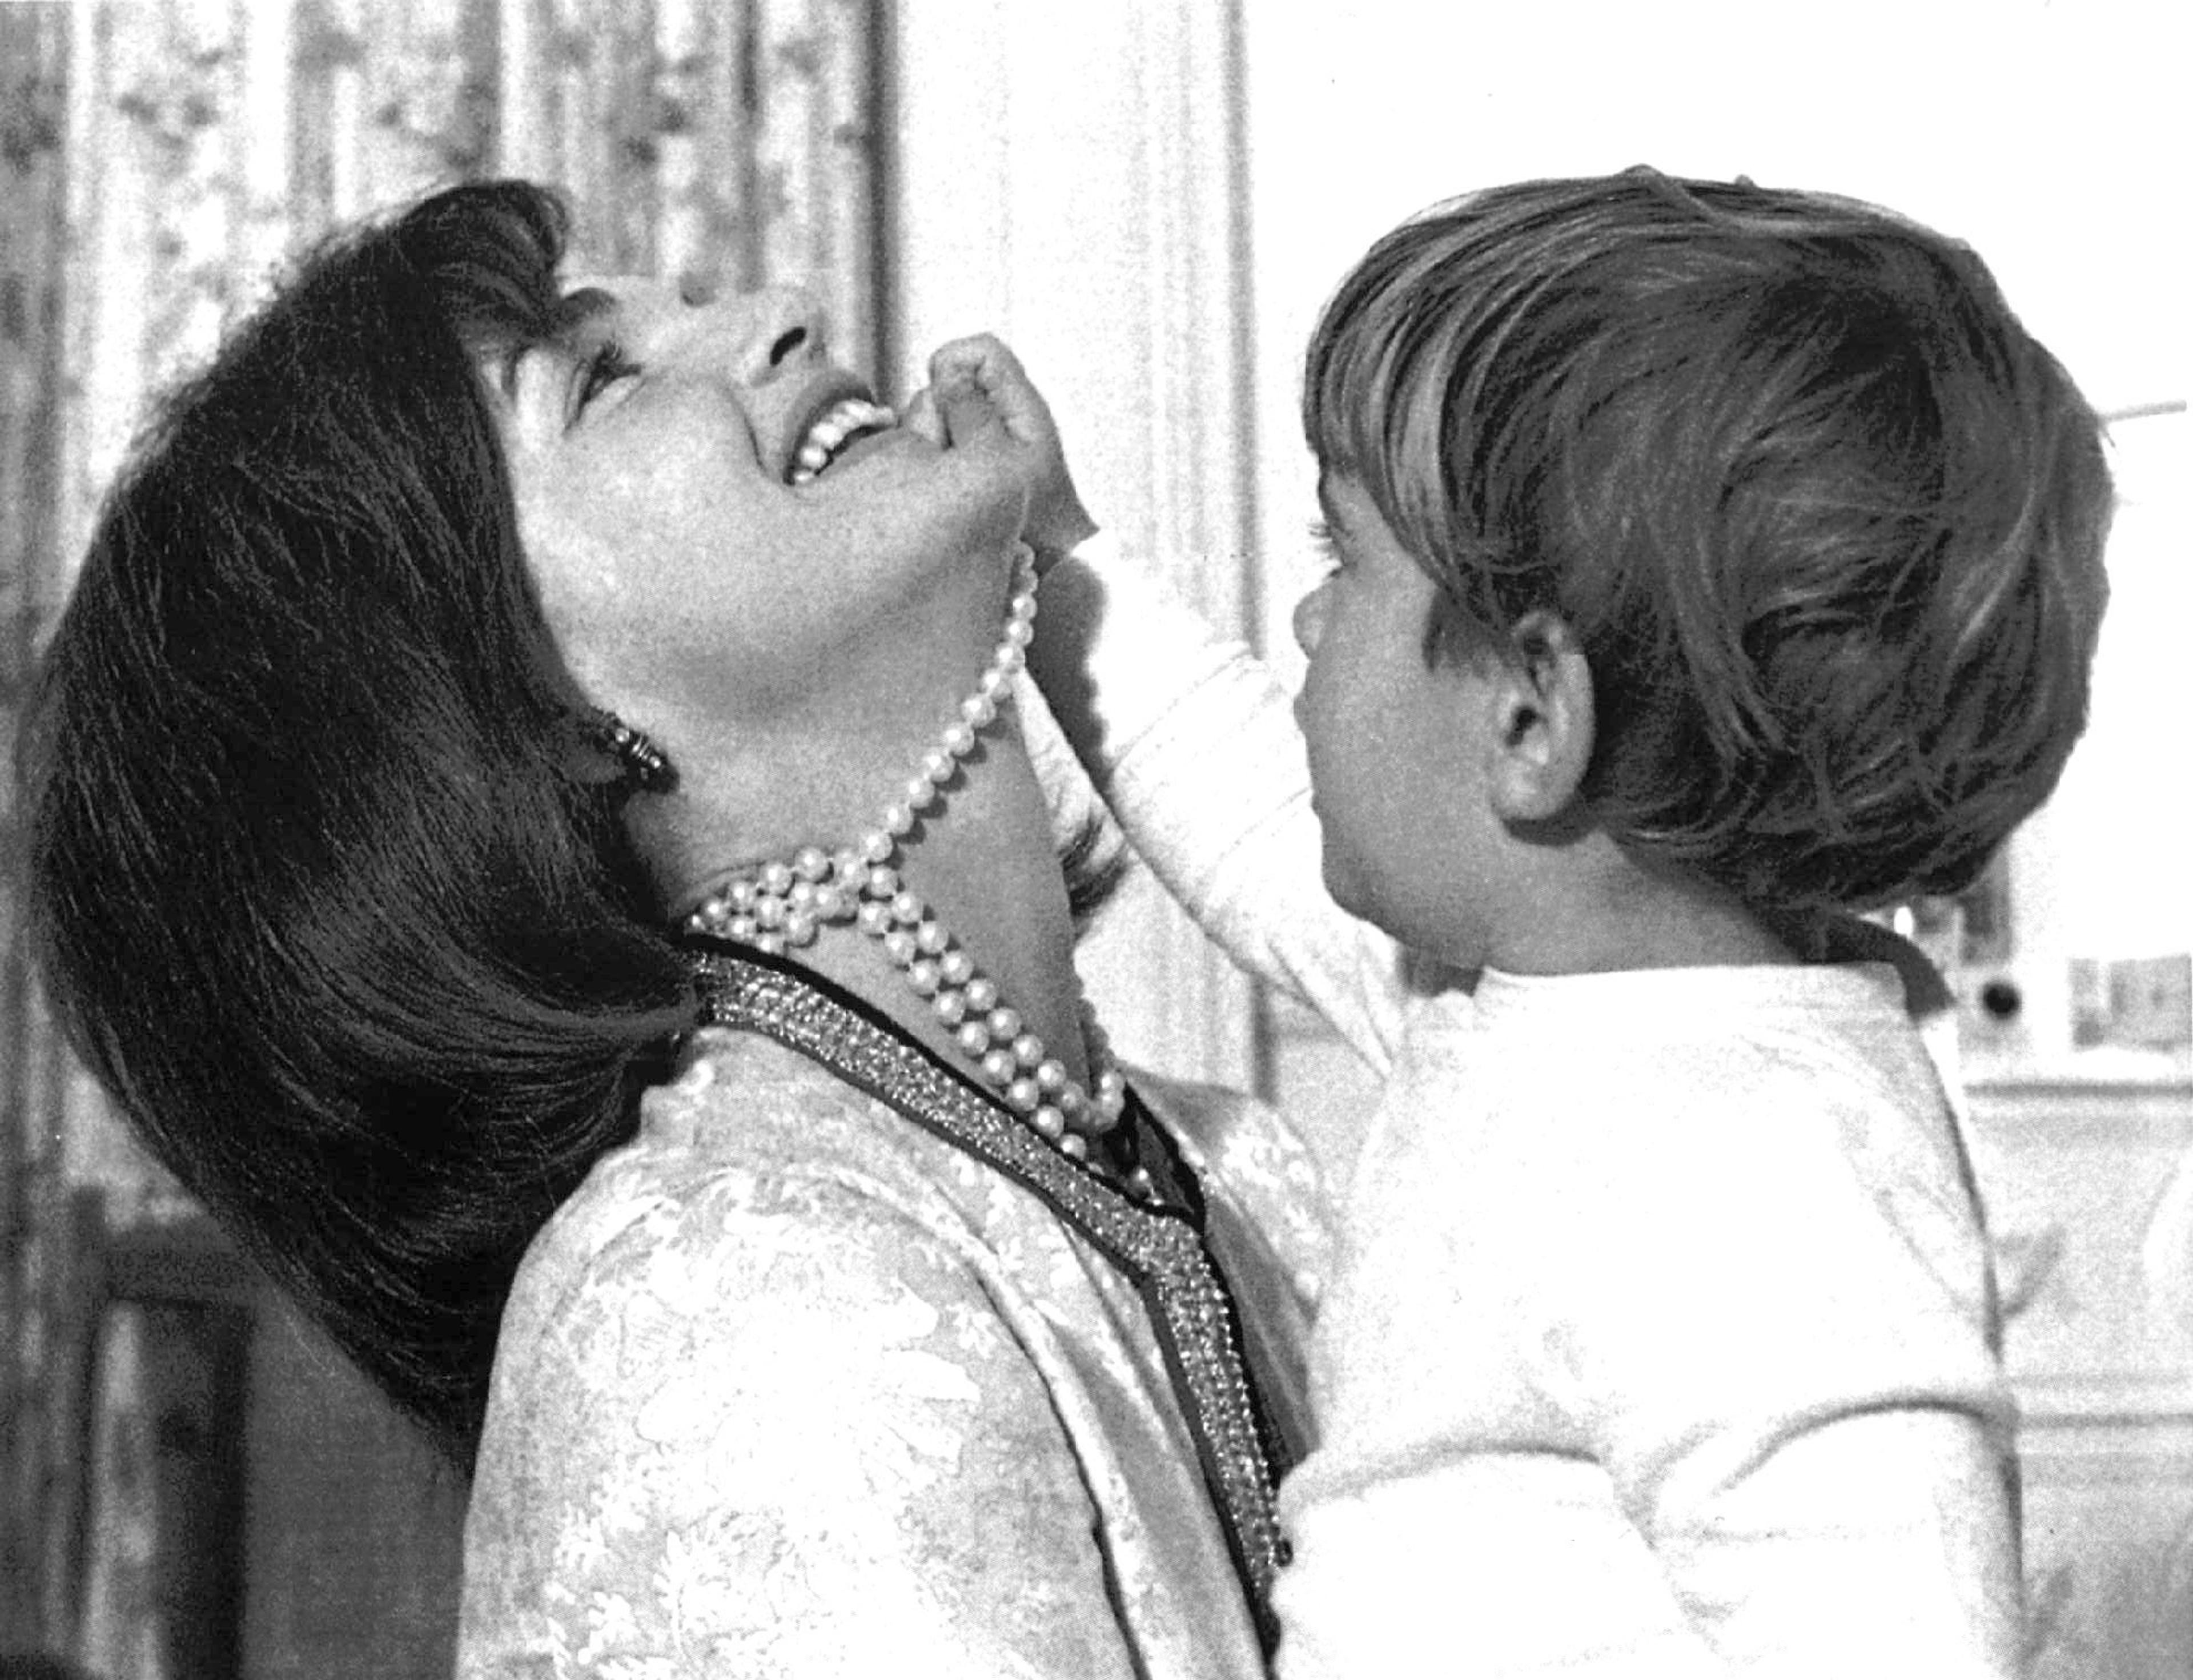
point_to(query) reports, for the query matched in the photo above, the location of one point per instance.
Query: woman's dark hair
(1826, 519)
(322, 897)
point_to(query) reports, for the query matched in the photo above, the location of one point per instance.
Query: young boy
(1710, 563)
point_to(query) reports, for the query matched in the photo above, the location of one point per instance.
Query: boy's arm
(1192, 743)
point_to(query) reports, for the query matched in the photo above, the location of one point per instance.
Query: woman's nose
(1309, 620)
(782, 330)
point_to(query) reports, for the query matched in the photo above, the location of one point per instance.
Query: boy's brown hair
(1826, 521)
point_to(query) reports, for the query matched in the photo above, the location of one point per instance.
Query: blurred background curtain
(158, 161)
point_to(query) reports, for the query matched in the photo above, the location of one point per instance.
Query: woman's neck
(984, 861)
(1590, 907)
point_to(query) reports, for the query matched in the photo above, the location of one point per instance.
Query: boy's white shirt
(1660, 1288)
(1242, 855)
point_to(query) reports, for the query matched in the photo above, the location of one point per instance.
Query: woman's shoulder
(750, 1152)
(762, 1357)
(772, 1243)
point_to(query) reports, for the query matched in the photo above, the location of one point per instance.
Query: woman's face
(653, 456)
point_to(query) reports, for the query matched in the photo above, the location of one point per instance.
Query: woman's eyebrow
(583, 307)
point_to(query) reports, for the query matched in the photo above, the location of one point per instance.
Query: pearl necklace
(782, 906)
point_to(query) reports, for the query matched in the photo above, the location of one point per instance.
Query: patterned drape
(157, 160)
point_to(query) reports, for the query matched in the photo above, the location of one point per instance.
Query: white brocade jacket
(836, 1369)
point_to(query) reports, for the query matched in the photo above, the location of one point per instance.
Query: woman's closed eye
(603, 367)
(1331, 561)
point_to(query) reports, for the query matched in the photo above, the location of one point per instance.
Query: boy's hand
(976, 382)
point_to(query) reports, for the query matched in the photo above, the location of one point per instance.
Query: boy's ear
(1544, 724)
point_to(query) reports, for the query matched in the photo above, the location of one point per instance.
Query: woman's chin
(897, 488)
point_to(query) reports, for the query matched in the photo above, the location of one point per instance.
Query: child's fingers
(981, 374)
(983, 363)
(982, 357)
(965, 410)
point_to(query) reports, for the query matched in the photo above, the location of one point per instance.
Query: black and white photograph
(1140, 840)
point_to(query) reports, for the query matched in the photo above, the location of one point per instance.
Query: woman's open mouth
(831, 434)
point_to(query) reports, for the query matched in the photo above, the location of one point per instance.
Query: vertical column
(258, 150)
(845, 222)
(35, 1471)
(1070, 178)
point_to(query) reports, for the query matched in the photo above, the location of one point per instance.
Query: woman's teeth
(842, 423)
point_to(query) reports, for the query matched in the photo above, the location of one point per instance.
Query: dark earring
(639, 760)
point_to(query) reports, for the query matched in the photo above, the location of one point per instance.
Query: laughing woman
(531, 823)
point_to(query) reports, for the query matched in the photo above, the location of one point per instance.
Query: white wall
(2051, 137)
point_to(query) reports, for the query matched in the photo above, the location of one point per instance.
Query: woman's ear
(1545, 723)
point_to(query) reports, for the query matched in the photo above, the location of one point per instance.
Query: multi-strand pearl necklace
(782, 906)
